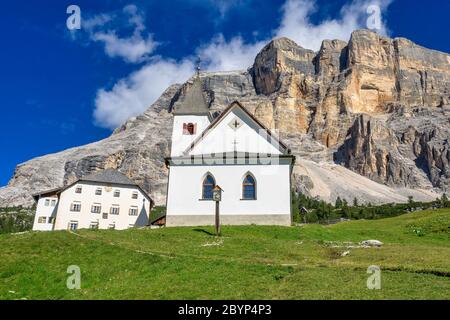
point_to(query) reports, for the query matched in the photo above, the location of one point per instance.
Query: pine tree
(410, 203)
(344, 204)
(338, 203)
(444, 201)
(345, 209)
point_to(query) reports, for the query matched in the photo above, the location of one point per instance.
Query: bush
(16, 219)
(322, 211)
(311, 217)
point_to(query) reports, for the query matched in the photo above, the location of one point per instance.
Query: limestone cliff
(376, 106)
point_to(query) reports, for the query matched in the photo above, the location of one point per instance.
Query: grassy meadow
(251, 262)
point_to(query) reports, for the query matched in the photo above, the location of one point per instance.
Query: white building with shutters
(104, 200)
(234, 151)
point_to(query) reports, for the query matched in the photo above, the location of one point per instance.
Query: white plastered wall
(47, 212)
(181, 141)
(87, 198)
(272, 190)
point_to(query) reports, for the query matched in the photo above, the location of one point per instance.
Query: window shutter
(185, 130)
(195, 129)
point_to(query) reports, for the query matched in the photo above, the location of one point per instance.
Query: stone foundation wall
(209, 220)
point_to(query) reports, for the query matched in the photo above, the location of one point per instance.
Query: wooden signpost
(217, 197)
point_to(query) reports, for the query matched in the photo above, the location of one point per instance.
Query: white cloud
(133, 49)
(296, 23)
(99, 20)
(134, 94)
(220, 55)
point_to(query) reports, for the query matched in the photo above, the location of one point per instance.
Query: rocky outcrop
(280, 59)
(424, 137)
(372, 150)
(332, 59)
(410, 148)
(375, 105)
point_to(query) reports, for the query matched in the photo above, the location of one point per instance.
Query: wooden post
(217, 197)
(217, 219)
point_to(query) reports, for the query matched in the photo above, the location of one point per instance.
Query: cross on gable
(235, 124)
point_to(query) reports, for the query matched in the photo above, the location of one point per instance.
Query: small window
(93, 226)
(47, 202)
(134, 195)
(105, 215)
(112, 226)
(51, 220)
(96, 208)
(249, 188)
(116, 193)
(133, 211)
(78, 189)
(53, 204)
(189, 129)
(208, 186)
(42, 220)
(115, 210)
(73, 226)
(98, 191)
(75, 207)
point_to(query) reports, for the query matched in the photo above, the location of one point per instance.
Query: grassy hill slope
(250, 262)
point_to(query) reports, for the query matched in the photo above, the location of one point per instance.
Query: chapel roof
(194, 102)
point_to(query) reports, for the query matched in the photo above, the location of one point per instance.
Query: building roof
(194, 102)
(109, 176)
(46, 193)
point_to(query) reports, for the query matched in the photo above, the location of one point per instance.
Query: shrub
(311, 217)
(16, 219)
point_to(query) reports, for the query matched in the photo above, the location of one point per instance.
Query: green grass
(249, 262)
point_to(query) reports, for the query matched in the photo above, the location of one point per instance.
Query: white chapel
(234, 151)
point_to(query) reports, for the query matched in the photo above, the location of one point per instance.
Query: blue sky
(61, 89)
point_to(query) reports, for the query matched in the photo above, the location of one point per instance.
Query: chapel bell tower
(191, 118)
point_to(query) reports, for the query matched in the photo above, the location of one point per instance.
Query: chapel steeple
(194, 102)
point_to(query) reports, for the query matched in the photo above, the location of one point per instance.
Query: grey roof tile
(109, 176)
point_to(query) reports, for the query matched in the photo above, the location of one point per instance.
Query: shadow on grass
(204, 231)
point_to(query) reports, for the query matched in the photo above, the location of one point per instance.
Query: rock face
(373, 107)
(409, 148)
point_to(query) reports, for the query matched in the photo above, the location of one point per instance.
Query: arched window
(208, 185)
(249, 188)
